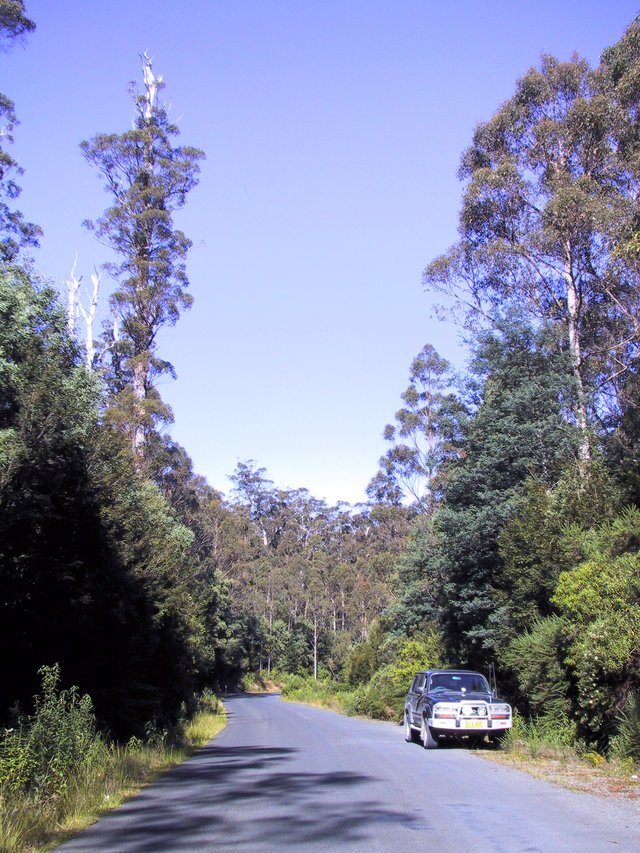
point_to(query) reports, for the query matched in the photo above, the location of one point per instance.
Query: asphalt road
(291, 777)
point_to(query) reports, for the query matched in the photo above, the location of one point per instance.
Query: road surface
(291, 777)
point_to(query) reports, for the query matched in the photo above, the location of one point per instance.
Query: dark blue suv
(454, 703)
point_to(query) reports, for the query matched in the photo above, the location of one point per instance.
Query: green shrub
(626, 744)
(537, 660)
(293, 683)
(44, 751)
(252, 682)
(548, 733)
(383, 697)
(352, 701)
(360, 664)
(209, 702)
(599, 601)
(14, 760)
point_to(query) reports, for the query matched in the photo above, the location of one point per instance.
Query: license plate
(473, 724)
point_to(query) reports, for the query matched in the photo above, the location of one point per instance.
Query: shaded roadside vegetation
(58, 773)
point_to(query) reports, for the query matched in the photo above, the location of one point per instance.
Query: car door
(417, 690)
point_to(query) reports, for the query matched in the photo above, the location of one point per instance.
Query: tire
(409, 734)
(428, 740)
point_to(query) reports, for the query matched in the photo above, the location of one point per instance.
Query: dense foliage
(502, 526)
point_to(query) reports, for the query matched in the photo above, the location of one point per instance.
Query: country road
(291, 777)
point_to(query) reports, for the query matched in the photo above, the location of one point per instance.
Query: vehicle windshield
(459, 682)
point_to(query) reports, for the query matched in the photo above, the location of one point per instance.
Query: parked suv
(454, 703)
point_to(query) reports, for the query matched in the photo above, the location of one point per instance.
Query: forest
(502, 530)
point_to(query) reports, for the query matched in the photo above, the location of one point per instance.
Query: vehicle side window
(420, 679)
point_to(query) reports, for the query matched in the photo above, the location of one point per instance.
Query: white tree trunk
(139, 395)
(315, 645)
(573, 314)
(73, 285)
(89, 316)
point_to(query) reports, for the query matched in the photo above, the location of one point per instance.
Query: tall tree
(149, 178)
(14, 231)
(619, 80)
(541, 200)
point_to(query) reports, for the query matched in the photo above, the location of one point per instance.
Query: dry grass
(589, 773)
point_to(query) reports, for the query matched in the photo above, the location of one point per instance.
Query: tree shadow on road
(242, 798)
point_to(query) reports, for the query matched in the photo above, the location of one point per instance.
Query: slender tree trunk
(315, 645)
(365, 624)
(73, 285)
(89, 317)
(573, 311)
(141, 352)
(139, 395)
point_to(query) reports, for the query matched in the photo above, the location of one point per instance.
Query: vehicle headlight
(445, 710)
(501, 710)
(482, 711)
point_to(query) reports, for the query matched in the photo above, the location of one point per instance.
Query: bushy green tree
(94, 564)
(599, 601)
(521, 389)
(530, 546)
(537, 659)
(420, 574)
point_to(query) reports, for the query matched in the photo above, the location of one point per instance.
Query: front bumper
(468, 718)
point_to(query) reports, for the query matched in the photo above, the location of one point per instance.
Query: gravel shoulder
(603, 780)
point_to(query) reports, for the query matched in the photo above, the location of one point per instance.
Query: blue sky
(333, 132)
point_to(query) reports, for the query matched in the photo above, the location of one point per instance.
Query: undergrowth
(58, 774)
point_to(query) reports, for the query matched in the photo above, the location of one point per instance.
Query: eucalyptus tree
(541, 201)
(148, 178)
(409, 469)
(14, 231)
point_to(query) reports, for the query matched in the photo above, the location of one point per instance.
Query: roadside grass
(384, 700)
(37, 821)
(548, 749)
(322, 693)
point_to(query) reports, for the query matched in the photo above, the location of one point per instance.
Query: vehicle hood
(457, 696)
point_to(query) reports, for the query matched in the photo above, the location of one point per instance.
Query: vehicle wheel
(409, 734)
(428, 740)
